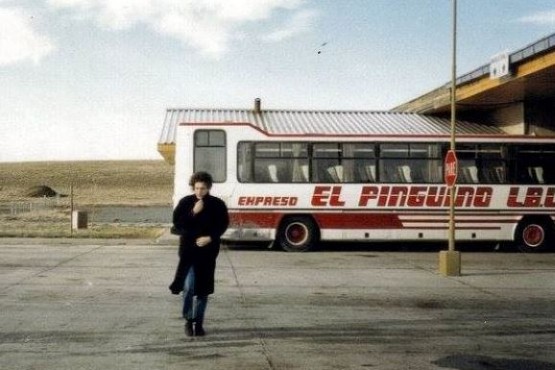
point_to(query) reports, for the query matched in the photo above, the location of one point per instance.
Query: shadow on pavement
(383, 247)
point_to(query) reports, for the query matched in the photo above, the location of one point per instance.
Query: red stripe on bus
(324, 220)
(351, 221)
(447, 227)
(358, 221)
(482, 221)
(254, 219)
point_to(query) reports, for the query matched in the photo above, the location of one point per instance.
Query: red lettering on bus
(367, 193)
(550, 198)
(433, 198)
(398, 196)
(335, 201)
(483, 196)
(535, 197)
(384, 193)
(425, 196)
(512, 201)
(417, 196)
(408, 196)
(320, 196)
(464, 193)
(323, 197)
(532, 198)
(268, 201)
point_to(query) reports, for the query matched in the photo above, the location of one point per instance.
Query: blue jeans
(193, 309)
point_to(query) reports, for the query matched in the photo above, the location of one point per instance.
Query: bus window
(366, 172)
(297, 155)
(343, 163)
(325, 162)
(358, 163)
(393, 157)
(428, 171)
(266, 161)
(492, 160)
(493, 172)
(468, 172)
(276, 162)
(482, 163)
(468, 168)
(534, 164)
(411, 163)
(426, 163)
(210, 153)
(536, 173)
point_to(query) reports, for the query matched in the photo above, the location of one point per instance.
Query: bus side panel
(183, 167)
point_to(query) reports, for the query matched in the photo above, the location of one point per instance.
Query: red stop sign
(450, 172)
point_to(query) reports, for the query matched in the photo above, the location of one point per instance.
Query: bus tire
(297, 234)
(534, 234)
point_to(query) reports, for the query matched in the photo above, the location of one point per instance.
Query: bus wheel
(297, 234)
(533, 235)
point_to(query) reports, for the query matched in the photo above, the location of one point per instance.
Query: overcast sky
(91, 79)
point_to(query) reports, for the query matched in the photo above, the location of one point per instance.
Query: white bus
(299, 177)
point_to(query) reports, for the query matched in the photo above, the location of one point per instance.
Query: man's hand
(203, 241)
(198, 207)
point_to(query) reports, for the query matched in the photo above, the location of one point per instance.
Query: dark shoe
(175, 288)
(199, 330)
(189, 328)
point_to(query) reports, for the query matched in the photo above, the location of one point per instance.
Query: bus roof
(321, 122)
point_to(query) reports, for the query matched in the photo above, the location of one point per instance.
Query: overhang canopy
(531, 77)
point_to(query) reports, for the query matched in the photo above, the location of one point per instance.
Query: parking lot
(107, 306)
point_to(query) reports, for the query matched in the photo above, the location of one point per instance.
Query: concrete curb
(85, 241)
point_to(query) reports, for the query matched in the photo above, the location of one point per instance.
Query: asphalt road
(89, 306)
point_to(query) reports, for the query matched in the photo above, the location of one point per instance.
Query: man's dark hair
(204, 177)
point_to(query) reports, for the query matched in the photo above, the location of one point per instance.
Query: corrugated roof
(303, 122)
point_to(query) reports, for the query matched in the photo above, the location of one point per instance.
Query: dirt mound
(40, 191)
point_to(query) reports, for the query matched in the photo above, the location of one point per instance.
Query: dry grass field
(95, 184)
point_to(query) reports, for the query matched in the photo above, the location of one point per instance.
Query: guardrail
(15, 208)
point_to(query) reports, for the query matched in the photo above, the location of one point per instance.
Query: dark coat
(211, 221)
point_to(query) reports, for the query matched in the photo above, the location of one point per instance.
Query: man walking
(200, 219)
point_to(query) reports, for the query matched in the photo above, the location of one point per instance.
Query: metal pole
(71, 208)
(452, 190)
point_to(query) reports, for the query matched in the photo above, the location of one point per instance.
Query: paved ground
(85, 306)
